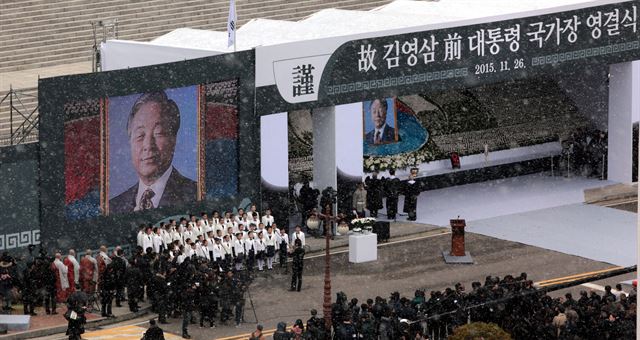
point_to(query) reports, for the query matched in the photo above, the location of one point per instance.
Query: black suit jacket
(388, 135)
(179, 190)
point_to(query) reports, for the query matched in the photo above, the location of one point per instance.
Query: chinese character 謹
(303, 80)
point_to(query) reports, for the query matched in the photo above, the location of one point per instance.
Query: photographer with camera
(75, 315)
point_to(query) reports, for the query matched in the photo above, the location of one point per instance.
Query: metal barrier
(21, 110)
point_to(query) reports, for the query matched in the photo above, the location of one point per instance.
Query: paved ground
(402, 267)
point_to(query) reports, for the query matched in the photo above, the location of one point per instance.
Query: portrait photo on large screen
(380, 122)
(153, 149)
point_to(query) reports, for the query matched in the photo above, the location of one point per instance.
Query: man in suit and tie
(152, 128)
(382, 133)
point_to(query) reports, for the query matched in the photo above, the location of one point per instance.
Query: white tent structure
(397, 17)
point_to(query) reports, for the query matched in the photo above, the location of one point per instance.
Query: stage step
(16, 323)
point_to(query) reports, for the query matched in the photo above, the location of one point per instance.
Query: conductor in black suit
(382, 133)
(152, 128)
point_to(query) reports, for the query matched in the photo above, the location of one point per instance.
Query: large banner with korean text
(456, 57)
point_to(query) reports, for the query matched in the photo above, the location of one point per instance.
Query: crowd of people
(201, 264)
(586, 151)
(513, 303)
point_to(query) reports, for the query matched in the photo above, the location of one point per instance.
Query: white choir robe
(248, 244)
(181, 228)
(166, 238)
(198, 231)
(271, 240)
(299, 236)
(226, 246)
(238, 247)
(207, 229)
(157, 243)
(218, 252)
(147, 242)
(175, 235)
(139, 238)
(250, 214)
(203, 251)
(281, 238)
(267, 220)
(188, 252)
(218, 227)
(260, 245)
(188, 235)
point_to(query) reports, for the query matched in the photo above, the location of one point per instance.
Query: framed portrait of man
(153, 148)
(380, 121)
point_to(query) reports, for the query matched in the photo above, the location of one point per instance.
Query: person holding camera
(75, 315)
(153, 332)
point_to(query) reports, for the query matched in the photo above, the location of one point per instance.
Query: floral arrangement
(403, 160)
(364, 223)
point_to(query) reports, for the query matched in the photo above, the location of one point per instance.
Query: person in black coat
(160, 292)
(346, 330)
(374, 187)
(154, 332)
(188, 306)
(75, 315)
(208, 300)
(392, 186)
(119, 267)
(309, 199)
(411, 192)
(29, 288)
(107, 290)
(298, 265)
(134, 287)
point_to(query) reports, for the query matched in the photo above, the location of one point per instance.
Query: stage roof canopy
(400, 14)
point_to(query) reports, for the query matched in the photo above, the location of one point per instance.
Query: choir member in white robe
(238, 251)
(298, 234)
(271, 243)
(261, 247)
(267, 219)
(147, 240)
(250, 250)
(228, 252)
(158, 244)
(140, 235)
(283, 248)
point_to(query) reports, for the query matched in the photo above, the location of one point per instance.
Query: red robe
(87, 272)
(70, 275)
(61, 292)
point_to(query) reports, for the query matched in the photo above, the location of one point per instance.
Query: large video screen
(151, 150)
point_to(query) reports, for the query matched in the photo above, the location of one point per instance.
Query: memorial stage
(500, 197)
(590, 231)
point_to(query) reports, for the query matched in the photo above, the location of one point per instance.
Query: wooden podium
(458, 254)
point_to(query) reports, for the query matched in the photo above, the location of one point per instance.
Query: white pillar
(624, 82)
(324, 147)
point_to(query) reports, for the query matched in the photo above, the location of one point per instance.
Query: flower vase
(343, 228)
